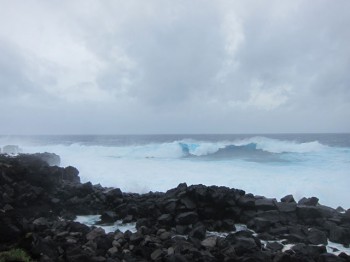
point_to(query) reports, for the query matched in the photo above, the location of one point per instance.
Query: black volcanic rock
(50, 158)
(316, 237)
(312, 201)
(165, 219)
(38, 202)
(71, 174)
(266, 204)
(308, 213)
(109, 217)
(340, 235)
(198, 232)
(286, 207)
(186, 218)
(288, 199)
(246, 201)
(111, 194)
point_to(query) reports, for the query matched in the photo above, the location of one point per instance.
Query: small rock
(41, 222)
(156, 254)
(312, 201)
(70, 240)
(317, 237)
(340, 209)
(209, 242)
(118, 235)
(128, 219)
(165, 236)
(113, 251)
(95, 233)
(181, 229)
(246, 201)
(288, 199)
(136, 238)
(7, 208)
(274, 246)
(327, 257)
(115, 243)
(177, 258)
(266, 204)
(228, 225)
(171, 251)
(198, 232)
(165, 219)
(340, 235)
(98, 259)
(245, 244)
(188, 203)
(114, 193)
(308, 213)
(260, 224)
(70, 173)
(55, 201)
(187, 218)
(109, 217)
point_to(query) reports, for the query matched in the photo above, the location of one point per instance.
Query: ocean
(271, 165)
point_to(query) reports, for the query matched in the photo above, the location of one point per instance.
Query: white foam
(202, 148)
(287, 247)
(88, 220)
(91, 220)
(159, 167)
(118, 225)
(333, 248)
(242, 227)
(282, 146)
(337, 248)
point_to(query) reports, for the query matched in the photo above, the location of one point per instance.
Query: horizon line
(180, 134)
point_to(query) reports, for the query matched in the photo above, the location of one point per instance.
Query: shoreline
(40, 202)
(276, 166)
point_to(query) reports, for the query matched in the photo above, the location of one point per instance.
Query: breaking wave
(252, 148)
(256, 144)
(272, 167)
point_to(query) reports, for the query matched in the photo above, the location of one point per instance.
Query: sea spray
(270, 165)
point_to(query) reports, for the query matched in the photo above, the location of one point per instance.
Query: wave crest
(273, 146)
(193, 148)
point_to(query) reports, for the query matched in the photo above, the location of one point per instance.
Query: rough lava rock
(39, 201)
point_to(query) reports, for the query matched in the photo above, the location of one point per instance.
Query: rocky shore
(39, 202)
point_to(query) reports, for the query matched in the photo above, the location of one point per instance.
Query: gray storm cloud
(174, 66)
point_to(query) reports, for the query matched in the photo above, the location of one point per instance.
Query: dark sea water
(270, 164)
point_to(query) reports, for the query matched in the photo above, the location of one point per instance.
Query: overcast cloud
(121, 67)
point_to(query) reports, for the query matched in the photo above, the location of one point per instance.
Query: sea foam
(260, 165)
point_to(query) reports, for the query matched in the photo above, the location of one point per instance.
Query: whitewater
(269, 165)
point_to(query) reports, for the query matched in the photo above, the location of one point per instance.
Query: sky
(167, 67)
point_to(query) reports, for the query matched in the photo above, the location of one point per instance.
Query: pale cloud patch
(199, 66)
(263, 97)
(268, 98)
(232, 26)
(57, 54)
(233, 32)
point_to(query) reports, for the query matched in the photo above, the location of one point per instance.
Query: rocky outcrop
(38, 202)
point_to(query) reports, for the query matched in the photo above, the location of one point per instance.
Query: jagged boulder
(266, 204)
(288, 199)
(186, 218)
(340, 235)
(50, 158)
(312, 201)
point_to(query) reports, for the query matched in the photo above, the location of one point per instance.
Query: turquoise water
(270, 165)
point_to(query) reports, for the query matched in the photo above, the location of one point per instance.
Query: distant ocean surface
(270, 165)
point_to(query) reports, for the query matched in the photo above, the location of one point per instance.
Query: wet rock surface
(39, 202)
